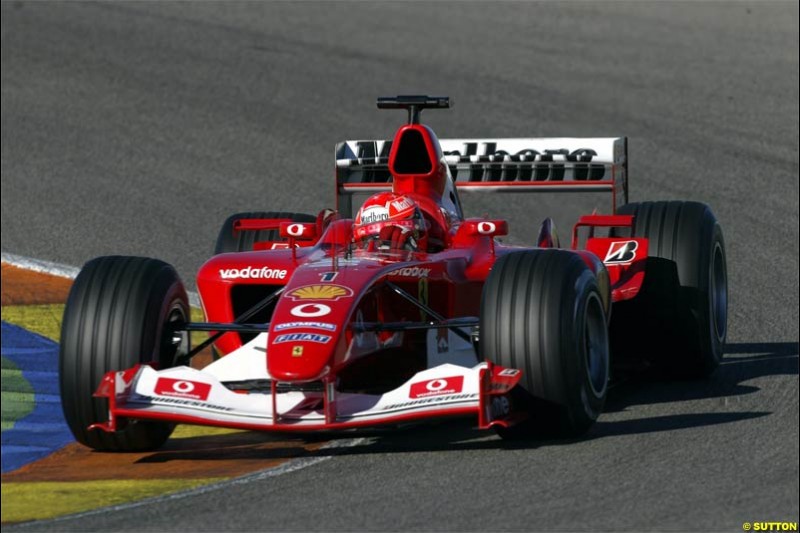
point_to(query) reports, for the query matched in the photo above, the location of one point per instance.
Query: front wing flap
(187, 395)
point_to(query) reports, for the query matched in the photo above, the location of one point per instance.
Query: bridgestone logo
(433, 400)
(252, 273)
(184, 402)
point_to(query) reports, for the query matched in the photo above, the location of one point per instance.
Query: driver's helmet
(389, 221)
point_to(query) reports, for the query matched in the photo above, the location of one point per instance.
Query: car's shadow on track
(743, 363)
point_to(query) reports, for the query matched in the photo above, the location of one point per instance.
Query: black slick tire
(117, 316)
(679, 317)
(542, 313)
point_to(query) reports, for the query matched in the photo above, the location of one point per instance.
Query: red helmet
(385, 214)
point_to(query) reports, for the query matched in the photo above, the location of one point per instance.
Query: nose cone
(307, 338)
(303, 338)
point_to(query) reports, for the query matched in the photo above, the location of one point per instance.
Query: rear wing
(497, 165)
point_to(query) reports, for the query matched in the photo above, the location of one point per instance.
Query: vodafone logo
(295, 230)
(486, 228)
(181, 388)
(310, 310)
(436, 387)
(252, 273)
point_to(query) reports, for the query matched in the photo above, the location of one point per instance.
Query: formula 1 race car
(405, 310)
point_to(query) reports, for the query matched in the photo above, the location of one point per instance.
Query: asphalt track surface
(136, 128)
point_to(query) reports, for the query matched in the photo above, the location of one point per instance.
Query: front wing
(187, 395)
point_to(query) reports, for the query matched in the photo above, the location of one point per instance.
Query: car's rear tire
(243, 241)
(116, 317)
(542, 313)
(680, 315)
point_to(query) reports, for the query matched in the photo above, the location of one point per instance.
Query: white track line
(66, 271)
(37, 265)
(62, 271)
(290, 466)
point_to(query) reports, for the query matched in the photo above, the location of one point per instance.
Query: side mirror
(300, 231)
(486, 228)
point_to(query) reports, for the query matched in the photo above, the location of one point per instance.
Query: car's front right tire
(542, 313)
(119, 313)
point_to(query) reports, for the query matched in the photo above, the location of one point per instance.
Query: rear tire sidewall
(717, 314)
(679, 318)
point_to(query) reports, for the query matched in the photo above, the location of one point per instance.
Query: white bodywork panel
(246, 363)
(187, 392)
(445, 346)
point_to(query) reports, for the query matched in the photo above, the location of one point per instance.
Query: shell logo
(320, 292)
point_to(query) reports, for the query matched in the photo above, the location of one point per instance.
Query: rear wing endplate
(497, 165)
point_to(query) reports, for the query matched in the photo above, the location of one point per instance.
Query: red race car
(405, 310)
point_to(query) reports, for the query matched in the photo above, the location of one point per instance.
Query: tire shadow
(743, 362)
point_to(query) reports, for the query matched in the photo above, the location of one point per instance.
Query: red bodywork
(330, 292)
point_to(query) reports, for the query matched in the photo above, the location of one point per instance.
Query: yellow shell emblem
(320, 292)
